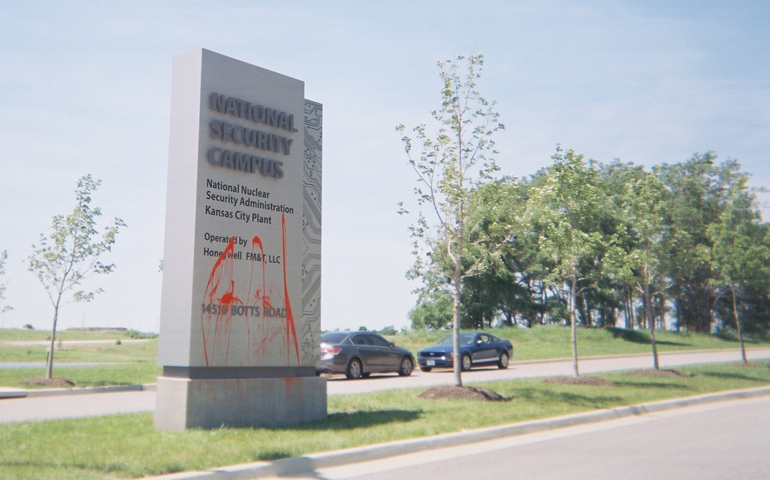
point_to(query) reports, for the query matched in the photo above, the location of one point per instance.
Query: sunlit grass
(551, 341)
(127, 446)
(22, 334)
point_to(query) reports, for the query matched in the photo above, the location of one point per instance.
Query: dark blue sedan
(476, 349)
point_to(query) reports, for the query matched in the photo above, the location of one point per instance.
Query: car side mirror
(392, 344)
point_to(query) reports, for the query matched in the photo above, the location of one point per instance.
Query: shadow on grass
(272, 455)
(638, 336)
(550, 397)
(659, 385)
(736, 376)
(360, 419)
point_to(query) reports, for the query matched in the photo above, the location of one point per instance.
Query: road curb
(51, 392)
(313, 462)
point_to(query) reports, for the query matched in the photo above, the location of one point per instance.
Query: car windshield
(465, 339)
(334, 337)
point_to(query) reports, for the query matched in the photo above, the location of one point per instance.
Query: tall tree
(450, 164)
(694, 190)
(639, 261)
(566, 208)
(71, 253)
(3, 286)
(739, 255)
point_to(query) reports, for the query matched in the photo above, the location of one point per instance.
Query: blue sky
(85, 88)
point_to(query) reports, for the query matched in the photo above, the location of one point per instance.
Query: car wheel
(466, 362)
(354, 370)
(406, 367)
(426, 369)
(503, 363)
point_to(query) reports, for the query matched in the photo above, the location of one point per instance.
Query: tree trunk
(629, 309)
(651, 322)
(589, 317)
(580, 310)
(573, 323)
(457, 359)
(49, 360)
(740, 330)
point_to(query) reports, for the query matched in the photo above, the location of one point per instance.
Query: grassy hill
(551, 341)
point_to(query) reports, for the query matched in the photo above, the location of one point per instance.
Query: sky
(85, 89)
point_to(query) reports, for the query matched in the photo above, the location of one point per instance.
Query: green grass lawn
(127, 446)
(131, 363)
(551, 341)
(21, 334)
(135, 363)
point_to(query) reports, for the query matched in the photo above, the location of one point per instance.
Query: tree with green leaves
(694, 191)
(433, 310)
(639, 261)
(739, 253)
(450, 164)
(3, 286)
(71, 254)
(566, 207)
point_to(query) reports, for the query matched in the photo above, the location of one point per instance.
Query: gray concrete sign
(240, 308)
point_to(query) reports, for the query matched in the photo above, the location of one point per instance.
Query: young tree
(739, 254)
(449, 166)
(71, 253)
(566, 207)
(643, 206)
(3, 258)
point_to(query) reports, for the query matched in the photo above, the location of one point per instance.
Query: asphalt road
(73, 406)
(722, 440)
(340, 386)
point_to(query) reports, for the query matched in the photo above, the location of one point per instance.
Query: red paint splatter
(221, 290)
(221, 277)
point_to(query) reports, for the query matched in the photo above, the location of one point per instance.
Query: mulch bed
(750, 365)
(593, 381)
(651, 372)
(49, 382)
(463, 393)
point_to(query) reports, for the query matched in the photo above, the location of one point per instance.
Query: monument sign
(240, 308)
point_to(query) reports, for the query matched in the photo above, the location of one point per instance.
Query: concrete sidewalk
(308, 464)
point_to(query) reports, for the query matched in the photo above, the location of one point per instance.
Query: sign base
(183, 403)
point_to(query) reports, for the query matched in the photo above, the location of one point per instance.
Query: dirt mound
(463, 393)
(49, 382)
(651, 372)
(594, 381)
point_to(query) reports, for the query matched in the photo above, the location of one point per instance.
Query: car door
(484, 349)
(366, 350)
(388, 356)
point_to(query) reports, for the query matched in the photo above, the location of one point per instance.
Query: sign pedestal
(240, 309)
(184, 403)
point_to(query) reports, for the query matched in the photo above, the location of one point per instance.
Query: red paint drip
(221, 291)
(221, 275)
(289, 315)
